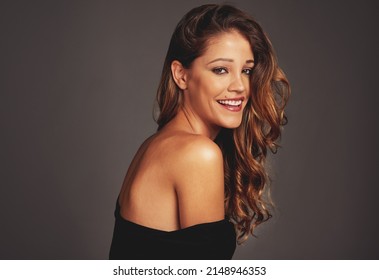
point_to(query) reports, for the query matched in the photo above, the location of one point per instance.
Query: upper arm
(199, 183)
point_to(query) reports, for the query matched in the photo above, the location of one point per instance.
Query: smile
(234, 105)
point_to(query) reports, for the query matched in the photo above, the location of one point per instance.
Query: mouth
(234, 105)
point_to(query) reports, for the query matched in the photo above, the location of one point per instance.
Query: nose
(237, 84)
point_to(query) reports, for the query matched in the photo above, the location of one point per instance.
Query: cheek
(211, 91)
(206, 89)
(214, 88)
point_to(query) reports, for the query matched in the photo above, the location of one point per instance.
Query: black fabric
(215, 240)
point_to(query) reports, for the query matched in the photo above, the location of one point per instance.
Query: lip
(229, 107)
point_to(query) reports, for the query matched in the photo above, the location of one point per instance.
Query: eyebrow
(229, 60)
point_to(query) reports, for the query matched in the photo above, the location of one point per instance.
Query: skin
(176, 179)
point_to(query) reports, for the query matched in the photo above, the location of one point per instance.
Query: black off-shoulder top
(214, 240)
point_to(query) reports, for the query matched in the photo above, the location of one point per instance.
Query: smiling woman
(216, 86)
(196, 186)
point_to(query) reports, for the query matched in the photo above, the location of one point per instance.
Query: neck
(186, 120)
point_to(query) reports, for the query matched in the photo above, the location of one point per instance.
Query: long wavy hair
(244, 148)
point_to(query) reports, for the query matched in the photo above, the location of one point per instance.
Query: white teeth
(231, 102)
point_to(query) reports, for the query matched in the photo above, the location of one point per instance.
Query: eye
(220, 70)
(248, 71)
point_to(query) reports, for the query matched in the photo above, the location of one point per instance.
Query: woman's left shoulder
(199, 181)
(201, 149)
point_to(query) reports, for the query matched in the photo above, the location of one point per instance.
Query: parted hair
(244, 148)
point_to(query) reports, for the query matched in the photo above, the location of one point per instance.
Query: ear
(179, 74)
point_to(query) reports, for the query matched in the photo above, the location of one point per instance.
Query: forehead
(230, 43)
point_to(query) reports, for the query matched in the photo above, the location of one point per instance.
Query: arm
(199, 182)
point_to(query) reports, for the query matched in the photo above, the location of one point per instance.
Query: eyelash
(218, 70)
(248, 69)
(223, 70)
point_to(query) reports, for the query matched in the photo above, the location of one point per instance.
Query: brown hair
(244, 148)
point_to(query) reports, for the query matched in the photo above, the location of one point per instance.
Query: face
(217, 83)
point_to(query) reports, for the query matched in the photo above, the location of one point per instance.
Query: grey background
(78, 81)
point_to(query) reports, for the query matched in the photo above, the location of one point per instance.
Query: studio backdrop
(78, 82)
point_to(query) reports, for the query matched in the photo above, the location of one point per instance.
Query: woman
(196, 186)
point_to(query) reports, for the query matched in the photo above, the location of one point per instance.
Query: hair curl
(244, 148)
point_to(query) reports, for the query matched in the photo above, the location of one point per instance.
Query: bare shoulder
(184, 148)
(194, 154)
(198, 176)
(198, 149)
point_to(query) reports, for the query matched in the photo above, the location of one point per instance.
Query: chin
(232, 124)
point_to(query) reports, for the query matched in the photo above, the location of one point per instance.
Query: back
(147, 195)
(169, 178)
